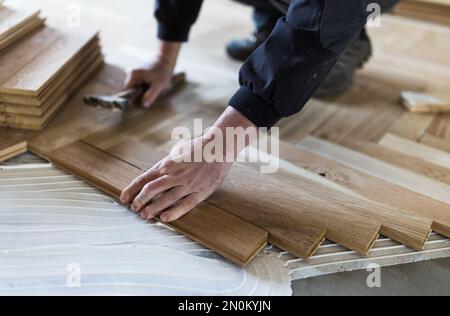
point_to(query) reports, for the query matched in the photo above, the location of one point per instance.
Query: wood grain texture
(398, 159)
(212, 227)
(411, 126)
(410, 148)
(376, 189)
(436, 142)
(368, 159)
(432, 11)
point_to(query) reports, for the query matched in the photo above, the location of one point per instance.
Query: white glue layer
(60, 236)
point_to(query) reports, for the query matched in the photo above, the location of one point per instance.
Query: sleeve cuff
(172, 32)
(258, 111)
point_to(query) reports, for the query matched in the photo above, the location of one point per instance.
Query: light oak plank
(436, 142)
(426, 102)
(378, 168)
(414, 149)
(411, 125)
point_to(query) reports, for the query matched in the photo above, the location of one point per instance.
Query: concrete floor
(430, 278)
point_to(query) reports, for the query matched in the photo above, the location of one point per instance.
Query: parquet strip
(411, 126)
(368, 158)
(436, 142)
(426, 102)
(417, 166)
(417, 150)
(371, 187)
(212, 227)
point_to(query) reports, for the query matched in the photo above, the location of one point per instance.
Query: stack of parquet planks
(41, 71)
(15, 24)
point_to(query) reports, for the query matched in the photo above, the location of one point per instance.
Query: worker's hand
(156, 75)
(173, 186)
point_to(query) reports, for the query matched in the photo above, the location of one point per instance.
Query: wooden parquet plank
(412, 126)
(436, 142)
(414, 149)
(409, 172)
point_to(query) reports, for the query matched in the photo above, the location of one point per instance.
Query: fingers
(163, 202)
(129, 193)
(151, 190)
(185, 205)
(152, 95)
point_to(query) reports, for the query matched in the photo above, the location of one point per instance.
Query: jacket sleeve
(175, 18)
(284, 72)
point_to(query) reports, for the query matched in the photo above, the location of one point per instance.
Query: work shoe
(340, 79)
(241, 49)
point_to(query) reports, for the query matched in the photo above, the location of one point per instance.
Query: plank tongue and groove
(368, 186)
(233, 238)
(417, 150)
(359, 159)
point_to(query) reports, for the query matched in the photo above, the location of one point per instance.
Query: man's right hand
(157, 75)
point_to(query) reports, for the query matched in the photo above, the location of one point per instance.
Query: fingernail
(142, 215)
(164, 217)
(123, 198)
